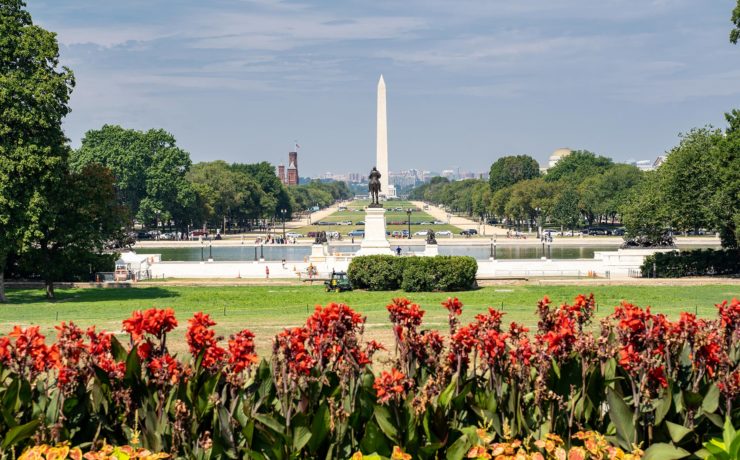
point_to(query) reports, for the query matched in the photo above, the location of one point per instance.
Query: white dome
(557, 155)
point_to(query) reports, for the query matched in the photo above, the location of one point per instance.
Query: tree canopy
(509, 170)
(735, 31)
(577, 166)
(34, 96)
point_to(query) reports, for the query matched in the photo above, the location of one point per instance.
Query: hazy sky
(468, 81)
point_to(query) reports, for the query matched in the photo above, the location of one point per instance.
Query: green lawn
(395, 213)
(267, 309)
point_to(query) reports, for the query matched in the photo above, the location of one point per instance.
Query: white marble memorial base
(375, 241)
(431, 250)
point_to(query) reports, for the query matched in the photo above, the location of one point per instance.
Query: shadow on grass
(31, 296)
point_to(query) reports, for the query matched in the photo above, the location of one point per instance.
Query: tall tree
(509, 170)
(565, 210)
(34, 96)
(689, 179)
(725, 204)
(735, 32)
(577, 166)
(149, 169)
(82, 218)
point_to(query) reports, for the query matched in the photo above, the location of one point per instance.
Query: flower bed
(644, 381)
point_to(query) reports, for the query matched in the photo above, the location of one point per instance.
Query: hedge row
(699, 262)
(413, 274)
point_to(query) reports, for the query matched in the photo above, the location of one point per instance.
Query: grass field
(395, 212)
(267, 309)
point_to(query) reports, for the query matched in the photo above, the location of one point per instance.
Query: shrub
(700, 262)
(413, 274)
(376, 273)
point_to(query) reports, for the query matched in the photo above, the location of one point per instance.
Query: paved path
(459, 221)
(314, 217)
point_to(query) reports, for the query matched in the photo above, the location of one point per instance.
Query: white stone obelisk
(381, 161)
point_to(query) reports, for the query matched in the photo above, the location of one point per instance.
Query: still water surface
(298, 253)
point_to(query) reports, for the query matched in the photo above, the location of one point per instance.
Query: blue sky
(468, 81)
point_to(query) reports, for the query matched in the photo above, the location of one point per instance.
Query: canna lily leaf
(710, 403)
(663, 451)
(621, 416)
(676, 431)
(18, 433)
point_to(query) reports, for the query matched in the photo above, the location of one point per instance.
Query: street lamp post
(408, 221)
(283, 213)
(539, 222)
(201, 250)
(210, 250)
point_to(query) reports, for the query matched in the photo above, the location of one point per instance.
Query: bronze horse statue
(374, 187)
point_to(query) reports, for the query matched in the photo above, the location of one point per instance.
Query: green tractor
(338, 282)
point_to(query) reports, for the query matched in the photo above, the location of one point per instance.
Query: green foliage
(509, 170)
(440, 273)
(34, 95)
(413, 274)
(735, 31)
(149, 169)
(699, 262)
(725, 448)
(376, 273)
(696, 187)
(578, 166)
(317, 193)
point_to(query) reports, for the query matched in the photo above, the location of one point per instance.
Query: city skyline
(239, 80)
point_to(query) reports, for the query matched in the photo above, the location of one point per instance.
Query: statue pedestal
(431, 250)
(318, 253)
(375, 241)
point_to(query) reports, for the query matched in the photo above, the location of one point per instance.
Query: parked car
(443, 233)
(362, 222)
(356, 232)
(421, 233)
(618, 232)
(439, 222)
(293, 235)
(345, 222)
(469, 232)
(197, 233)
(599, 231)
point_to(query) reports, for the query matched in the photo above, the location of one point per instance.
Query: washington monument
(381, 161)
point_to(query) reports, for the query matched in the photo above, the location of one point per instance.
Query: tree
(577, 166)
(644, 213)
(277, 196)
(735, 32)
(509, 170)
(725, 204)
(34, 96)
(565, 210)
(689, 179)
(81, 219)
(149, 169)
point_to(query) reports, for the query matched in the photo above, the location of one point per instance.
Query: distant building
(356, 178)
(293, 177)
(643, 165)
(658, 161)
(558, 155)
(281, 174)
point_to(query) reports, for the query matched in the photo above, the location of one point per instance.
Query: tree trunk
(49, 289)
(2, 286)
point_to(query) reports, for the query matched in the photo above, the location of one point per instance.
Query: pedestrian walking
(267, 272)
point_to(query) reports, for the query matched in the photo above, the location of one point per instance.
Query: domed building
(558, 155)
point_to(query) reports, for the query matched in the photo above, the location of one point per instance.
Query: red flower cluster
(392, 385)
(404, 315)
(153, 321)
(202, 339)
(165, 369)
(290, 348)
(241, 351)
(730, 317)
(25, 352)
(453, 305)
